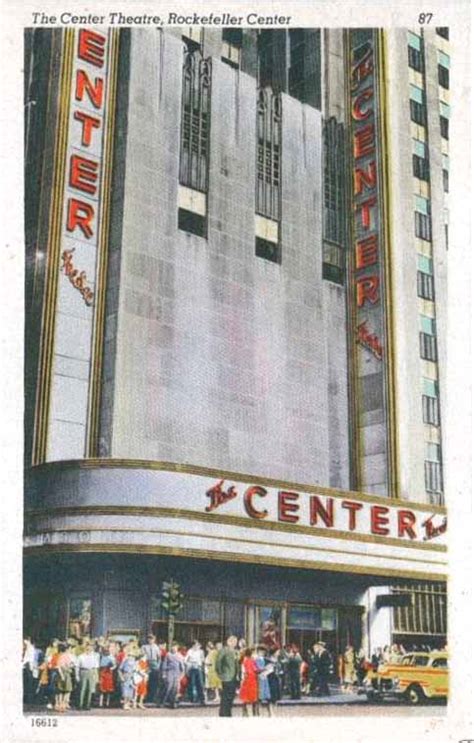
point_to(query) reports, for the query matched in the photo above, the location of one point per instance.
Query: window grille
(195, 121)
(268, 191)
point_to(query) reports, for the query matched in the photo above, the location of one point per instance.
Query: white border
(457, 724)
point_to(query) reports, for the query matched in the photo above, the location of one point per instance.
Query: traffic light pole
(170, 630)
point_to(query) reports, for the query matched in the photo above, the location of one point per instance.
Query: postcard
(237, 389)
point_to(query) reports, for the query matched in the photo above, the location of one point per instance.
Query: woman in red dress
(249, 686)
(141, 688)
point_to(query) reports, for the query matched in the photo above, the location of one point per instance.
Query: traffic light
(171, 598)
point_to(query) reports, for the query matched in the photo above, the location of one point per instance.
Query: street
(339, 705)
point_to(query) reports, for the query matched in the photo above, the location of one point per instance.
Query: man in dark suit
(323, 670)
(228, 668)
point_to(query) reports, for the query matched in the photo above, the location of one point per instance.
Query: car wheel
(415, 695)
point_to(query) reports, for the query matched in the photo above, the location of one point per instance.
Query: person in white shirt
(88, 670)
(194, 661)
(29, 670)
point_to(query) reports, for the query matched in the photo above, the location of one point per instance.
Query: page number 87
(425, 18)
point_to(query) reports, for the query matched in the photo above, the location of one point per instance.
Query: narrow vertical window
(268, 171)
(194, 143)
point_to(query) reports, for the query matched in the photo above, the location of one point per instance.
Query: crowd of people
(107, 673)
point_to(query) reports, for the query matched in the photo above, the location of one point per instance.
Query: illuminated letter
(316, 509)
(83, 174)
(366, 253)
(248, 495)
(406, 521)
(365, 207)
(364, 141)
(91, 47)
(366, 177)
(362, 69)
(95, 92)
(286, 508)
(88, 124)
(377, 519)
(80, 215)
(367, 288)
(352, 507)
(357, 113)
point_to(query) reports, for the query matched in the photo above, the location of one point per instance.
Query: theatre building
(236, 256)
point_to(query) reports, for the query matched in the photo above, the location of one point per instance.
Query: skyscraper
(236, 283)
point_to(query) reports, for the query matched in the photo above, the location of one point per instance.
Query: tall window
(421, 168)
(443, 76)
(415, 59)
(418, 112)
(195, 122)
(232, 46)
(334, 232)
(268, 154)
(425, 285)
(423, 226)
(428, 350)
(433, 477)
(444, 126)
(430, 407)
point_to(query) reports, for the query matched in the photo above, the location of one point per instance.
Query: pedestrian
(273, 671)
(127, 670)
(195, 672)
(349, 678)
(249, 686)
(263, 669)
(323, 669)
(294, 672)
(88, 675)
(173, 669)
(141, 681)
(30, 671)
(184, 681)
(107, 666)
(213, 682)
(153, 656)
(227, 668)
(160, 692)
(65, 667)
(304, 671)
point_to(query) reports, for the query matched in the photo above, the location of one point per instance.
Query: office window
(334, 181)
(443, 31)
(444, 126)
(304, 72)
(418, 112)
(425, 286)
(430, 406)
(333, 263)
(433, 477)
(232, 46)
(428, 347)
(268, 250)
(423, 226)
(421, 168)
(268, 189)
(445, 181)
(192, 222)
(192, 37)
(195, 121)
(443, 76)
(415, 59)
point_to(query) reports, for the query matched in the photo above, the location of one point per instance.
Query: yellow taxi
(415, 678)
